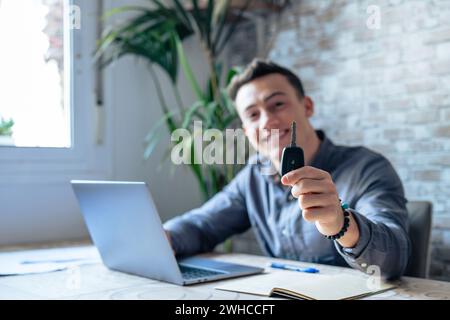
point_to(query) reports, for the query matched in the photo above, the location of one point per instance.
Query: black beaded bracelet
(344, 228)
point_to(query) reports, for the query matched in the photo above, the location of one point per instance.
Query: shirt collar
(323, 159)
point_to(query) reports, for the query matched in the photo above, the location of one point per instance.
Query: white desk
(98, 282)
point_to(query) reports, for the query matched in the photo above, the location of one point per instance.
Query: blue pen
(292, 268)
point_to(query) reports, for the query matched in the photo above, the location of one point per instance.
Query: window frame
(84, 155)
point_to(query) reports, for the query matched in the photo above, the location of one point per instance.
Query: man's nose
(269, 121)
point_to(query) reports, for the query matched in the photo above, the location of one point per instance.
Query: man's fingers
(304, 173)
(305, 186)
(307, 201)
(322, 214)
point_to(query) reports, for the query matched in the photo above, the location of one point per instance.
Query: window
(55, 133)
(33, 108)
(37, 202)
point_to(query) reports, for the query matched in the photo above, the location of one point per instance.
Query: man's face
(270, 102)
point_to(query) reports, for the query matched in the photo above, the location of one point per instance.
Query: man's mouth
(284, 133)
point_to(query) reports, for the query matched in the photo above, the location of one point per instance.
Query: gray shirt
(365, 180)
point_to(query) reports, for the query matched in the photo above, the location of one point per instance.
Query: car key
(292, 157)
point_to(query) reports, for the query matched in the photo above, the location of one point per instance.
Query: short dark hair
(260, 68)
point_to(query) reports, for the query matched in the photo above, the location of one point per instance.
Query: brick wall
(386, 88)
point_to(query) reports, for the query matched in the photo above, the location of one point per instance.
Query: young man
(292, 215)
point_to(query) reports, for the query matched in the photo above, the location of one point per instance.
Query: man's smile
(282, 134)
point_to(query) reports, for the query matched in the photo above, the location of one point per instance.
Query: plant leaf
(232, 28)
(182, 12)
(187, 69)
(219, 21)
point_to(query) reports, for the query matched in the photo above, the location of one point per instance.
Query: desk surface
(98, 282)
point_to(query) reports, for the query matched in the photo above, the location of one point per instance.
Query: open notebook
(297, 285)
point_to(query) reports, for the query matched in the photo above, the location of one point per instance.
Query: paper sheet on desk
(46, 260)
(307, 286)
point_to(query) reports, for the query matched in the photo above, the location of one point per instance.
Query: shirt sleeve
(382, 219)
(201, 229)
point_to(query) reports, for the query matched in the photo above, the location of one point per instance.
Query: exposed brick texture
(387, 89)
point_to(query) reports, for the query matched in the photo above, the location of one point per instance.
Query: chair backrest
(419, 232)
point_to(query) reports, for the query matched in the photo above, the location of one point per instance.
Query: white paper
(46, 260)
(315, 286)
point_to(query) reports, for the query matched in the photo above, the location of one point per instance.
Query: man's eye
(253, 115)
(279, 104)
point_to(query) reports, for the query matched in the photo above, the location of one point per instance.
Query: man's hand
(319, 201)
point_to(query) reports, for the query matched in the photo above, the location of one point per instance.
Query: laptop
(126, 229)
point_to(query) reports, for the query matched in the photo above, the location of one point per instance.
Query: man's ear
(309, 106)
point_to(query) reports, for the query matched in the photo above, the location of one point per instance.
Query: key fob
(291, 159)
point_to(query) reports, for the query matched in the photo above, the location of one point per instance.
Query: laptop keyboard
(195, 273)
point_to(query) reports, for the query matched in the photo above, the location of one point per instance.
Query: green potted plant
(156, 35)
(6, 132)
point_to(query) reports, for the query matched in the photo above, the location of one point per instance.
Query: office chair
(419, 232)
